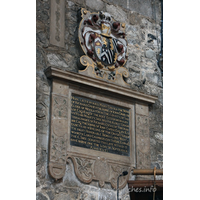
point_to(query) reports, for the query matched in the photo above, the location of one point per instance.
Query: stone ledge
(52, 72)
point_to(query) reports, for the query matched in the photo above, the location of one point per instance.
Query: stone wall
(143, 34)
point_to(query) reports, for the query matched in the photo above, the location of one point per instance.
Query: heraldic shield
(105, 49)
(103, 41)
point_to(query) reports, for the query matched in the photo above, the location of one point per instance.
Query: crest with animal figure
(103, 41)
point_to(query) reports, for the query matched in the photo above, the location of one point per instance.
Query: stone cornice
(52, 72)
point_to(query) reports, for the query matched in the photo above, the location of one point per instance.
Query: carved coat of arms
(103, 41)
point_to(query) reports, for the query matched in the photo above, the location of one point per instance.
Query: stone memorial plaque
(94, 123)
(99, 126)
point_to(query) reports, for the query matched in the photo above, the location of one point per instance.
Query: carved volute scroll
(103, 40)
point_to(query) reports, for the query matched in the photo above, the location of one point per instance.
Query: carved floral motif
(58, 149)
(88, 169)
(59, 106)
(58, 141)
(83, 168)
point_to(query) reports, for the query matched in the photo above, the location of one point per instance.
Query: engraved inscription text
(99, 126)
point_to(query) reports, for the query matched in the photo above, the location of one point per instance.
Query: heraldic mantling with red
(104, 43)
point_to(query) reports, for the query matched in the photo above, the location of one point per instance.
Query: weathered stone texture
(95, 4)
(40, 196)
(117, 13)
(146, 7)
(143, 37)
(120, 3)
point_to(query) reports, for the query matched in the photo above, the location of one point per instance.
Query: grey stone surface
(159, 136)
(134, 18)
(120, 3)
(117, 13)
(160, 157)
(43, 39)
(40, 57)
(70, 179)
(56, 60)
(155, 165)
(150, 54)
(146, 8)
(51, 195)
(103, 194)
(132, 35)
(40, 196)
(95, 4)
(152, 142)
(37, 183)
(152, 77)
(42, 139)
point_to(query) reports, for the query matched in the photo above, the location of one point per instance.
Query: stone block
(40, 196)
(60, 88)
(41, 126)
(41, 36)
(142, 109)
(160, 157)
(159, 136)
(42, 15)
(51, 195)
(42, 140)
(56, 60)
(43, 89)
(150, 54)
(40, 57)
(117, 13)
(80, 2)
(132, 35)
(40, 26)
(152, 77)
(144, 7)
(69, 194)
(37, 183)
(104, 194)
(119, 3)
(134, 18)
(95, 4)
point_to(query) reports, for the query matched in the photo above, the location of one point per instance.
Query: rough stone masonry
(144, 42)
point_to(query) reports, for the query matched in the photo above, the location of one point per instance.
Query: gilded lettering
(99, 126)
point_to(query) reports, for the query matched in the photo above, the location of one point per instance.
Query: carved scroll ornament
(99, 169)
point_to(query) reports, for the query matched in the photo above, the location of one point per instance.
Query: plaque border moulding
(89, 164)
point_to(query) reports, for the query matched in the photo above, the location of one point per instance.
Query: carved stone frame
(91, 164)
